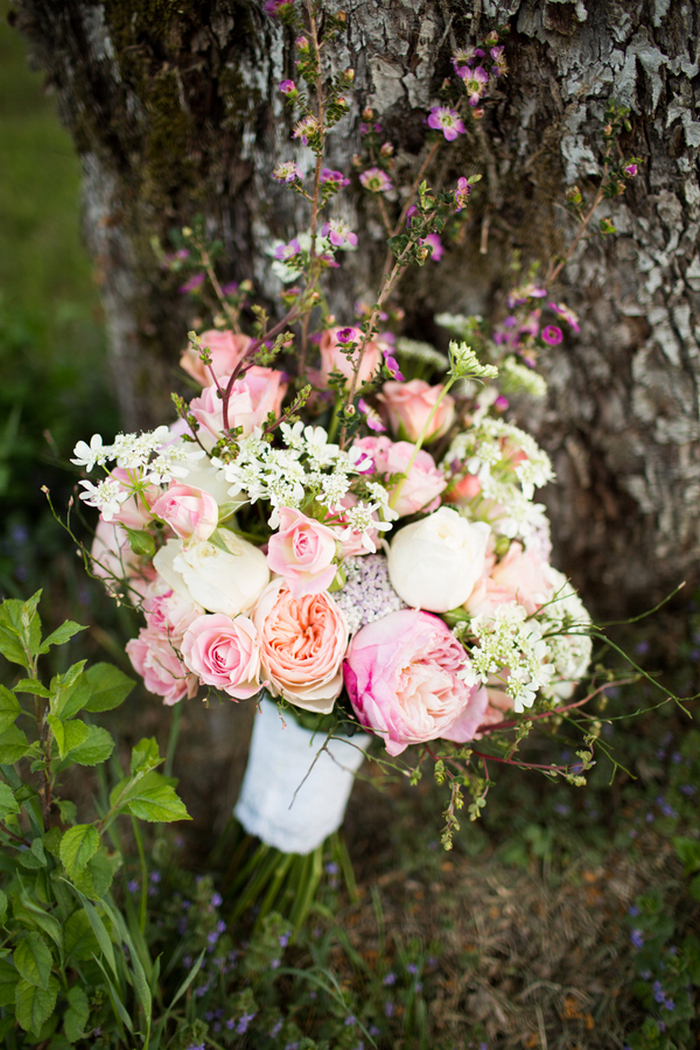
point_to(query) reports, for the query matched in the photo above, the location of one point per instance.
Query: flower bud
(349, 75)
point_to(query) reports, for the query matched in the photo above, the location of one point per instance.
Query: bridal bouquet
(341, 525)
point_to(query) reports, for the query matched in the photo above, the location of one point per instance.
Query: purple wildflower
(475, 81)
(273, 8)
(630, 170)
(192, 285)
(461, 193)
(446, 120)
(435, 244)
(289, 88)
(637, 938)
(285, 252)
(334, 178)
(338, 233)
(552, 335)
(376, 181)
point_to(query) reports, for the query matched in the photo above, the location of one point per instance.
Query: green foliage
(60, 924)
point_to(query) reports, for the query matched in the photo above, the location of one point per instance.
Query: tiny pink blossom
(630, 170)
(446, 120)
(435, 244)
(192, 285)
(376, 181)
(338, 232)
(552, 335)
(461, 193)
(289, 88)
(563, 311)
(333, 178)
(475, 84)
(287, 251)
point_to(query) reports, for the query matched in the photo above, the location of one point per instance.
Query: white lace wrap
(276, 802)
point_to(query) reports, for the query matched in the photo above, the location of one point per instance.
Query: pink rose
(408, 405)
(302, 551)
(154, 656)
(224, 653)
(521, 576)
(226, 349)
(464, 489)
(191, 513)
(405, 676)
(257, 393)
(167, 611)
(423, 483)
(333, 360)
(302, 644)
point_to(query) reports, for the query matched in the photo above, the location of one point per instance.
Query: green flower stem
(421, 438)
(144, 873)
(172, 739)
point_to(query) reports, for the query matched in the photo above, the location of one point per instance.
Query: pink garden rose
(191, 513)
(254, 395)
(521, 576)
(423, 483)
(408, 405)
(224, 653)
(226, 349)
(405, 676)
(302, 644)
(302, 551)
(332, 360)
(154, 656)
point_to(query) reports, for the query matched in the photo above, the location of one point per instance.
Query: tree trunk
(175, 111)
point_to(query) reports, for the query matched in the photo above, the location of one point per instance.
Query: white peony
(228, 582)
(435, 563)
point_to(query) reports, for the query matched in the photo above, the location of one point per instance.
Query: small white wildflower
(108, 496)
(95, 453)
(135, 450)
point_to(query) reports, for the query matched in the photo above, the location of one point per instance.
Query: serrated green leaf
(145, 755)
(8, 803)
(32, 916)
(52, 841)
(80, 940)
(96, 748)
(11, 632)
(100, 931)
(13, 745)
(67, 810)
(30, 685)
(153, 798)
(78, 845)
(61, 635)
(3, 906)
(34, 1005)
(9, 708)
(34, 857)
(62, 687)
(95, 878)
(76, 1016)
(8, 982)
(110, 687)
(32, 958)
(68, 735)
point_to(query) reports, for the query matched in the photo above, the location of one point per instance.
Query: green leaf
(153, 798)
(81, 942)
(61, 635)
(11, 632)
(100, 931)
(52, 841)
(78, 846)
(67, 810)
(8, 983)
(9, 708)
(32, 915)
(62, 688)
(109, 687)
(95, 878)
(68, 735)
(96, 748)
(31, 685)
(688, 851)
(145, 755)
(34, 1005)
(34, 857)
(8, 803)
(3, 906)
(13, 746)
(33, 960)
(76, 1016)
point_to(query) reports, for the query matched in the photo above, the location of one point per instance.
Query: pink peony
(405, 676)
(226, 349)
(332, 360)
(154, 656)
(224, 653)
(423, 483)
(254, 395)
(407, 407)
(302, 643)
(191, 513)
(302, 551)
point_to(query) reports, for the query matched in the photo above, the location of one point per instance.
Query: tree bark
(174, 110)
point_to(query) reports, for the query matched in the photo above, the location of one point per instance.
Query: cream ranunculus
(227, 582)
(434, 563)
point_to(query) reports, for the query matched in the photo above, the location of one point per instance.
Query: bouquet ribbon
(297, 783)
